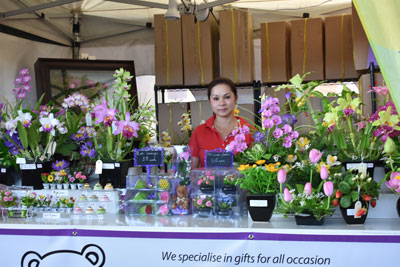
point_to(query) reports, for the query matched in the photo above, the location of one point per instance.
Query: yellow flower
(303, 141)
(272, 167)
(243, 167)
(254, 165)
(236, 112)
(286, 167)
(332, 160)
(300, 101)
(63, 173)
(397, 177)
(146, 138)
(322, 164)
(291, 158)
(50, 178)
(260, 162)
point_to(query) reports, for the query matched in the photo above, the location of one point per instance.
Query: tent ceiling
(53, 19)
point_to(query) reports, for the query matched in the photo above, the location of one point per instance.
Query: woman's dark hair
(221, 81)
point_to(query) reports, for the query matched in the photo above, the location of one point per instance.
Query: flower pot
(204, 212)
(59, 186)
(46, 186)
(10, 211)
(398, 206)
(65, 186)
(7, 175)
(261, 207)
(31, 175)
(73, 186)
(308, 220)
(348, 214)
(370, 166)
(115, 176)
(24, 211)
(79, 186)
(229, 189)
(206, 188)
(52, 186)
(224, 212)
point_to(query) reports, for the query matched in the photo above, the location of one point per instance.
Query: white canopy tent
(117, 29)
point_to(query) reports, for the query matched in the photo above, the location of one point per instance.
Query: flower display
(230, 179)
(259, 178)
(207, 179)
(238, 144)
(225, 202)
(203, 201)
(8, 200)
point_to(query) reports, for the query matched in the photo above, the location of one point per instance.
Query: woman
(216, 132)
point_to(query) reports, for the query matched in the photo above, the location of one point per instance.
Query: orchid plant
(31, 132)
(118, 124)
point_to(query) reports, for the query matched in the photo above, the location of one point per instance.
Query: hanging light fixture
(172, 12)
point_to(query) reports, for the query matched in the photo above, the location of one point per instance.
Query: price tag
(21, 161)
(27, 166)
(89, 217)
(117, 165)
(62, 193)
(149, 157)
(350, 212)
(75, 217)
(39, 166)
(219, 159)
(51, 216)
(100, 217)
(3, 170)
(88, 119)
(258, 203)
(108, 166)
(99, 167)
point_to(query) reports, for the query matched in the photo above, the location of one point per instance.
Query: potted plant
(27, 201)
(204, 205)
(355, 136)
(356, 191)
(120, 128)
(262, 185)
(229, 184)
(309, 204)
(225, 204)
(8, 201)
(206, 182)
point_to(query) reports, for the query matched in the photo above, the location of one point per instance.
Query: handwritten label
(350, 212)
(219, 159)
(108, 166)
(61, 193)
(148, 158)
(89, 217)
(3, 170)
(357, 165)
(258, 203)
(39, 166)
(100, 217)
(51, 216)
(117, 165)
(27, 166)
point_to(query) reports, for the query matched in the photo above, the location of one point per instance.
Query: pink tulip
(328, 188)
(281, 176)
(314, 155)
(307, 189)
(324, 173)
(286, 195)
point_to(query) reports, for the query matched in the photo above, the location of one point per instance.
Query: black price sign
(219, 159)
(149, 158)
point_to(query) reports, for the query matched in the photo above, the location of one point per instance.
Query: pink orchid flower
(128, 128)
(104, 114)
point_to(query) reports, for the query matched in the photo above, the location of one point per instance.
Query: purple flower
(276, 119)
(258, 137)
(60, 165)
(289, 119)
(275, 109)
(286, 128)
(12, 148)
(104, 114)
(87, 150)
(79, 136)
(268, 123)
(267, 113)
(277, 133)
(288, 95)
(348, 111)
(127, 127)
(287, 141)
(294, 134)
(184, 155)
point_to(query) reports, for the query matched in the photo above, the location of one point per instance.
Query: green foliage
(258, 180)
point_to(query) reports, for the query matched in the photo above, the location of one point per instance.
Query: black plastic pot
(350, 218)
(224, 212)
(229, 189)
(261, 207)
(204, 212)
(398, 206)
(206, 188)
(370, 170)
(308, 220)
(116, 176)
(32, 177)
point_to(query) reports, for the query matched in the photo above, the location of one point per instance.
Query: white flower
(332, 160)
(61, 128)
(11, 126)
(48, 124)
(24, 118)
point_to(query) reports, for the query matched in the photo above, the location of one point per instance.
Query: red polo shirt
(206, 137)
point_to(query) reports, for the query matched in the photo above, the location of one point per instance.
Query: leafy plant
(259, 179)
(203, 201)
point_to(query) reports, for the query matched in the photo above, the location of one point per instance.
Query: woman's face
(223, 100)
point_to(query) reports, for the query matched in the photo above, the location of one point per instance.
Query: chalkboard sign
(218, 158)
(149, 157)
